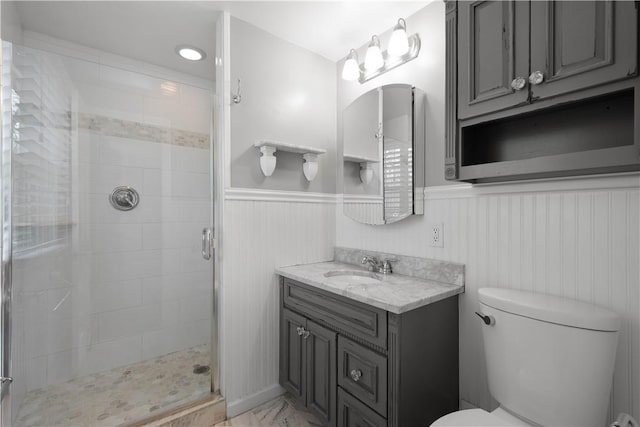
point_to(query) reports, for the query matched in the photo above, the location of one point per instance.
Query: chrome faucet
(378, 266)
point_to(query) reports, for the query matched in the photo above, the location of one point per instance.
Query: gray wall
(426, 72)
(11, 28)
(288, 95)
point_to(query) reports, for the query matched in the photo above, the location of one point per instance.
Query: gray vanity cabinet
(308, 364)
(353, 364)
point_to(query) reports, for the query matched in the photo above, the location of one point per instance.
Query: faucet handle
(386, 265)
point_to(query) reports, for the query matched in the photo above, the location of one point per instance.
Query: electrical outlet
(437, 235)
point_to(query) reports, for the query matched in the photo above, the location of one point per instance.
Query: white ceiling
(150, 30)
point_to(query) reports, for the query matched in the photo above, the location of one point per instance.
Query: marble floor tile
(120, 395)
(279, 412)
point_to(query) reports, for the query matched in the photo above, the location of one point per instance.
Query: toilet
(550, 361)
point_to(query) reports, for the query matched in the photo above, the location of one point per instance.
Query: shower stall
(107, 209)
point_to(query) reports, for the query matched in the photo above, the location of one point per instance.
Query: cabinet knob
(356, 374)
(305, 334)
(536, 78)
(518, 83)
(300, 330)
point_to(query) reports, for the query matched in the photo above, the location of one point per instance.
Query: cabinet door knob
(518, 83)
(305, 334)
(356, 374)
(536, 78)
(300, 330)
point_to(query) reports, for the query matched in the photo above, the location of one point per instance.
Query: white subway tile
(98, 237)
(36, 372)
(162, 341)
(189, 159)
(109, 101)
(196, 307)
(190, 185)
(115, 296)
(112, 354)
(134, 153)
(61, 367)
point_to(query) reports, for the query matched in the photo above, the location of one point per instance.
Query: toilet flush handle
(488, 320)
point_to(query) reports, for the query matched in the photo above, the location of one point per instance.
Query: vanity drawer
(351, 317)
(363, 373)
(353, 413)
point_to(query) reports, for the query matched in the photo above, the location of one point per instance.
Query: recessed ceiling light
(191, 53)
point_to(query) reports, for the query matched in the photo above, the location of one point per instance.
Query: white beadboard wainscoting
(262, 230)
(577, 238)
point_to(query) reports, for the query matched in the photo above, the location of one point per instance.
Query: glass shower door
(109, 190)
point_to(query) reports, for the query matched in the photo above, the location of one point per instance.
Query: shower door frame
(6, 183)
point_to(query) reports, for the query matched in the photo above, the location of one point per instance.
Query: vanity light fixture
(190, 53)
(399, 42)
(373, 59)
(351, 68)
(402, 49)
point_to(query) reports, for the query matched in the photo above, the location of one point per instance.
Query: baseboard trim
(247, 403)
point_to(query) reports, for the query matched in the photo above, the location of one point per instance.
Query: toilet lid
(470, 417)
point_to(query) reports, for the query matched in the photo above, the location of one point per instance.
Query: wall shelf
(309, 154)
(366, 166)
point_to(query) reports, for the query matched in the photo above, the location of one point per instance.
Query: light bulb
(190, 53)
(399, 42)
(373, 59)
(351, 69)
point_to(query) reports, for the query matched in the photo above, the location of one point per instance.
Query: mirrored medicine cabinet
(383, 155)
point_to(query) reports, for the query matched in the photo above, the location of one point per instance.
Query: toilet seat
(478, 418)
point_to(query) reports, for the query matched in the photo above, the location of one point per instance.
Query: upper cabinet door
(493, 56)
(580, 44)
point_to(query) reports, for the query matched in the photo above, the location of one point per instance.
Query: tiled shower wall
(579, 239)
(127, 286)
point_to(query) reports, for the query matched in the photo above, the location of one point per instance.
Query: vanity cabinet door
(353, 413)
(493, 52)
(580, 44)
(321, 372)
(292, 352)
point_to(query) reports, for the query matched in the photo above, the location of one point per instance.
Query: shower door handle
(206, 243)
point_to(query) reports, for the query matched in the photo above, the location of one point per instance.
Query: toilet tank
(549, 360)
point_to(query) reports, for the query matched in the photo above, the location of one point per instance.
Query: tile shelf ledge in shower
(309, 154)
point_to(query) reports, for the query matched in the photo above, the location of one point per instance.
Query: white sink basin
(354, 277)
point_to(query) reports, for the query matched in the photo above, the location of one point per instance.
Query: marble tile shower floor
(121, 395)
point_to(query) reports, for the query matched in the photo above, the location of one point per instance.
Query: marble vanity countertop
(396, 293)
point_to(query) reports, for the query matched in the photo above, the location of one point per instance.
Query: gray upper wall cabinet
(540, 89)
(497, 36)
(579, 44)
